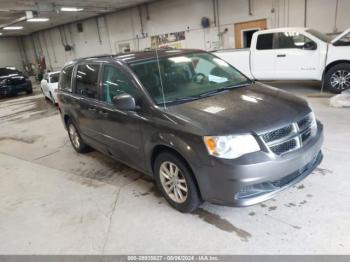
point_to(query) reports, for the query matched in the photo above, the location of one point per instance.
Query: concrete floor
(55, 201)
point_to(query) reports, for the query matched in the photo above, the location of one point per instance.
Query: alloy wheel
(340, 80)
(173, 182)
(73, 133)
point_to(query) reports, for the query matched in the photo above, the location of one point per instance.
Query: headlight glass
(3, 82)
(230, 147)
(313, 124)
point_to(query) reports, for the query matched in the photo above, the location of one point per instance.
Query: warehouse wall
(181, 15)
(10, 53)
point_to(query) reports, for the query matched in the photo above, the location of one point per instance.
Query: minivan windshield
(186, 77)
(54, 77)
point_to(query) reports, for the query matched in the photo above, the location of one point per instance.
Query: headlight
(230, 147)
(313, 123)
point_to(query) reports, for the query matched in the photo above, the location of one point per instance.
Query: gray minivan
(194, 123)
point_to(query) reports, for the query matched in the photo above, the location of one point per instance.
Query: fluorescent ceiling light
(38, 19)
(71, 9)
(13, 28)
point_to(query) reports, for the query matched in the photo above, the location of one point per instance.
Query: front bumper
(259, 176)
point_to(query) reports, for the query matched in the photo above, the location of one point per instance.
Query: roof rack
(94, 56)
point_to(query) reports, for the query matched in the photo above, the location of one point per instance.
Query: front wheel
(175, 181)
(75, 138)
(337, 78)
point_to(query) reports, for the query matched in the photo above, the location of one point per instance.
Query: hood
(12, 76)
(12, 79)
(339, 37)
(253, 109)
(54, 85)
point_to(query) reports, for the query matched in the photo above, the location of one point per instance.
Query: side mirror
(310, 46)
(124, 102)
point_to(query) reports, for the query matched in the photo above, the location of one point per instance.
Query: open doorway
(245, 30)
(247, 37)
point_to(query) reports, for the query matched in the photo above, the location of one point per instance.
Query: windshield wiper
(222, 89)
(181, 100)
(205, 94)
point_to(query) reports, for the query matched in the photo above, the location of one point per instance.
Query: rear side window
(66, 78)
(86, 80)
(265, 42)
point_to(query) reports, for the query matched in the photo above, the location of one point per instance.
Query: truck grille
(290, 137)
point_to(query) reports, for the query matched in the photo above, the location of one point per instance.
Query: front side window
(294, 40)
(115, 83)
(65, 79)
(187, 77)
(265, 42)
(87, 80)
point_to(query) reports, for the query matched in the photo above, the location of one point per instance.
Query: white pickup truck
(295, 54)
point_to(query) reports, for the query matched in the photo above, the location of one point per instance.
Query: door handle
(281, 55)
(92, 109)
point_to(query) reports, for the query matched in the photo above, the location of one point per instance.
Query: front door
(297, 57)
(121, 129)
(244, 32)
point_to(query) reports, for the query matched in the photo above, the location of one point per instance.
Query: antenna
(160, 74)
(160, 78)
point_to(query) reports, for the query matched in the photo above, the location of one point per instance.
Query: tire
(75, 138)
(52, 99)
(337, 78)
(30, 91)
(191, 199)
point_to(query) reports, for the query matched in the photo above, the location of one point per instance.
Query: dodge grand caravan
(194, 123)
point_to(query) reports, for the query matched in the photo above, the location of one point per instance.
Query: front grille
(304, 122)
(290, 137)
(16, 81)
(284, 147)
(277, 134)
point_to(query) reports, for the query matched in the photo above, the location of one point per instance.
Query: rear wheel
(337, 78)
(175, 181)
(75, 138)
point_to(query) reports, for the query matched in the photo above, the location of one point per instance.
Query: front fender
(182, 145)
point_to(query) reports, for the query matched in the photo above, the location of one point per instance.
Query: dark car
(13, 82)
(194, 123)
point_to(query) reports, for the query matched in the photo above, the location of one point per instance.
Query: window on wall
(65, 79)
(294, 40)
(265, 42)
(115, 83)
(87, 80)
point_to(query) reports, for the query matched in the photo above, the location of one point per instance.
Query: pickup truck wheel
(75, 138)
(338, 78)
(175, 180)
